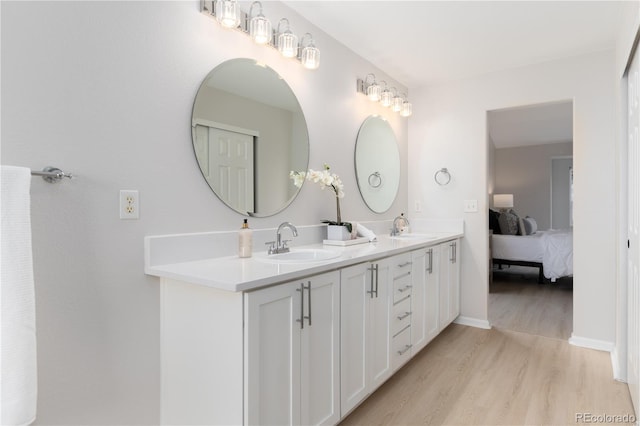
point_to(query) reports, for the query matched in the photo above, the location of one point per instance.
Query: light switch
(470, 206)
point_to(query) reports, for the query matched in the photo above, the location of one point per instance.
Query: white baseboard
(584, 342)
(473, 322)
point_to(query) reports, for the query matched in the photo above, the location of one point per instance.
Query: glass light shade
(386, 97)
(260, 29)
(396, 104)
(310, 57)
(288, 44)
(373, 92)
(407, 109)
(228, 13)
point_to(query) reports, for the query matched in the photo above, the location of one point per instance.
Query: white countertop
(232, 273)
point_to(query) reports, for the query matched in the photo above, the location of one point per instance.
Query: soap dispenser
(245, 240)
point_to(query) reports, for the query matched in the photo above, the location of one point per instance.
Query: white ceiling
(532, 125)
(421, 43)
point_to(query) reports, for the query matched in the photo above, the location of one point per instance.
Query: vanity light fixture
(407, 109)
(228, 13)
(396, 103)
(386, 96)
(260, 29)
(287, 41)
(373, 89)
(259, 26)
(309, 54)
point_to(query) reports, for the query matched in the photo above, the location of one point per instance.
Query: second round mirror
(377, 162)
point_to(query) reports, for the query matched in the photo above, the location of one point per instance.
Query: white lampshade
(503, 201)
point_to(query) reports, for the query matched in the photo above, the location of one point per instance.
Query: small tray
(360, 240)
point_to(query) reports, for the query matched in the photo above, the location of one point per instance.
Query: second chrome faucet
(280, 244)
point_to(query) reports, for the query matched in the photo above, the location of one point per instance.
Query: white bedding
(552, 248)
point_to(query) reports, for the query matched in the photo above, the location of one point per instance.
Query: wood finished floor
(471, 376)
(518, 303)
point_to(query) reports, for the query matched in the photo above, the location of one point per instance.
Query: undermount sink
(413, 237)
(300, 256)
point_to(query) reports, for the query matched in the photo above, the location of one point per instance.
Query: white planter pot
(338, 232)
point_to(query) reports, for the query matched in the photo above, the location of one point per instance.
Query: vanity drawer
(401, 348)
(401, 316)
(402, 286)
(401, 265)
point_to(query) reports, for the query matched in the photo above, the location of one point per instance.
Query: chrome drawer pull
(406, 348)
(405, 288)
(402, 265)
(403, 316)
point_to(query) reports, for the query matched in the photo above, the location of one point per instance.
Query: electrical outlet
(129, 204)
(418, 206)
(470, 206)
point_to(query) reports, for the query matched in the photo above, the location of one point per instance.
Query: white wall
(105, 90)
(525, 172)
(450, 130)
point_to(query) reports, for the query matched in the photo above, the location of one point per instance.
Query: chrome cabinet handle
(452, 252)
(402, 265)
(430, 253)
(301, 320)
(406, 348)
(405, 288)
(403, 316)
(455, 252)
(376, 268)
(308, 301)
(371, 292)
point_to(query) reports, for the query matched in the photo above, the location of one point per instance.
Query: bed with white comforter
(552, 249)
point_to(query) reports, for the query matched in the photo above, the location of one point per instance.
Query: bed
(550, 251)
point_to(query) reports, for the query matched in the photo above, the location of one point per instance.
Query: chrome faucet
(395, 230)
(281, 245)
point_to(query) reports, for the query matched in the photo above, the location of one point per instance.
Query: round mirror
(248, 133)
(377, 164)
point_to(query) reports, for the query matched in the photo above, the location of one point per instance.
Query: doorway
(530, 158)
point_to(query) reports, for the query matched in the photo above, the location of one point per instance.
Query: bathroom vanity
(258, 341)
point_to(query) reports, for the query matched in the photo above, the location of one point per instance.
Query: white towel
(366, 232)
(18, 315)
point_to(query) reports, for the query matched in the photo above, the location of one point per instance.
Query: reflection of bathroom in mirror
(248, 132)
(377, 162)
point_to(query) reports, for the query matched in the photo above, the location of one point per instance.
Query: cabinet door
(432, 293)
(272, 355)
(454, 281)
(355, 292)
(449, 286)
(424, 298)
(379, 333)
(320, 352)
(445, 253)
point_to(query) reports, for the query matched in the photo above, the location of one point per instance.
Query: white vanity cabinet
(425, 297)
(297, 345)
(292, 352)
(365, 351)
(449, 279)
